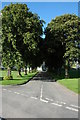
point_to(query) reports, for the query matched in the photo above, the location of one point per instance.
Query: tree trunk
(66, 73)
(66, 70)
(19, 72)
(25, 71)
(29, 69)
(9, 72)
(32, 69)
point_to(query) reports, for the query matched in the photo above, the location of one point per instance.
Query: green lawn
(16, 79)
(72, 84)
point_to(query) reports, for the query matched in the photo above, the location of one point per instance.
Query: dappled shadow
(43, 76)
(73, 73)
(53, 77)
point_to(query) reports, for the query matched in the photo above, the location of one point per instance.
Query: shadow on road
(43, 76)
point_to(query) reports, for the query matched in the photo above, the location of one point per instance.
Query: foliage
(62, 39)
(21, 35)
(0, 38)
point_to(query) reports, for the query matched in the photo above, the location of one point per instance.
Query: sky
(49, 10)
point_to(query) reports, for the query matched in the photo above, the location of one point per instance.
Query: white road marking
(43, 100)
(56, 101)
(49, 99)
(56, 104)
(70, 108)
(17, 93)
(75, 106)
(41, 92)
(34, 98)
(63, 103)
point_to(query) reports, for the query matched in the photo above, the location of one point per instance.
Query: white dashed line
(63, 103)
(17, 93)
(75, 106)
(60, 102)
(70, 108)
(49, 99)
(43, 100)
(34, 98)
(56, 104)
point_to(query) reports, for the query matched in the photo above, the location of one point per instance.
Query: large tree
(0, 38)
(21, 33)
(64, 30)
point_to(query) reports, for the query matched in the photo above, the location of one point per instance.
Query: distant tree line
(23, 45)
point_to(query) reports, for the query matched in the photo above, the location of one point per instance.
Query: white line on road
(56, 104)
(43, 100)
(34, 98)
(60, 102)
(41, 92)
(63, 103)
(70, 108)
(56, 101)
(75, 106)
(17, 93)
(49, 99)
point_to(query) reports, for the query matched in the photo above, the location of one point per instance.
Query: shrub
(8, 78)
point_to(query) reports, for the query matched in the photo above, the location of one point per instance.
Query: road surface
(39, 98)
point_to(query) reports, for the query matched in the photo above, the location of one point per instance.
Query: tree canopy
(62, 37)
(22, 32)
(21, 35)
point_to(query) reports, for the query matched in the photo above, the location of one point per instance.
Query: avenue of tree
(23, 45)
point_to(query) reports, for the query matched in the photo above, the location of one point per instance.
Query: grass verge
(72, 84)
(16, 79)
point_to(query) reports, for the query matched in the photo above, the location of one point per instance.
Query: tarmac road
(39, 98)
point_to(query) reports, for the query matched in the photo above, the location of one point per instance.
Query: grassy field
(16, 79)
(72, 83)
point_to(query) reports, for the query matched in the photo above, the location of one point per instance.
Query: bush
(8, 78)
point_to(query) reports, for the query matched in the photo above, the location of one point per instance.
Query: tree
(13, 17)
(33, 41)
(21, 31)
(0, 38)
(54, 49)
(18, 62)
(64, 29)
